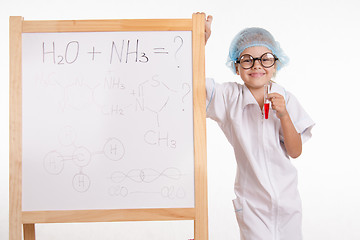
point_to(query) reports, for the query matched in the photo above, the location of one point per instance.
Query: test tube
(266, 100)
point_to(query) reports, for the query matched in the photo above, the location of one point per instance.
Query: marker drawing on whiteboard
(157, 138)
(166, 192)
(171, 192)
(160, 51)
(81, 157)
(93, 53)
(127, 52)
(187, 91)
(146, 175)
(146, 100)
(81, 182)
(69, 56)
(118, 190)
(178, 49)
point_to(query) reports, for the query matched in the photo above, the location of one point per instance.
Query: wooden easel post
(26, 219)
(15, 130)
(201, 201)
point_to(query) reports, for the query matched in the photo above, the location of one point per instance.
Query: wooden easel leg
(29, 231)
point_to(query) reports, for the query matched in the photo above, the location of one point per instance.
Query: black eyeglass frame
(259, 58)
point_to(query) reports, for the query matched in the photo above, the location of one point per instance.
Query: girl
(267, 203)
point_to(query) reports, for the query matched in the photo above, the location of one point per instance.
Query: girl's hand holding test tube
(278, 104)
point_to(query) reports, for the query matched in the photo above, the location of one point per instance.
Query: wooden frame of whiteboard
(19, 219)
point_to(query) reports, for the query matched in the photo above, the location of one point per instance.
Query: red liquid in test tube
(266, 101)
(266, 110)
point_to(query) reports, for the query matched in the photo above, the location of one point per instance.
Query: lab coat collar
(248, 98)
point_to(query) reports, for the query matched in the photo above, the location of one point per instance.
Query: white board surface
(107, 120)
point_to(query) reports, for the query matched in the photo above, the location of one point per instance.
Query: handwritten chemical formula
(123, 52)
(115, 52)
(108, 120)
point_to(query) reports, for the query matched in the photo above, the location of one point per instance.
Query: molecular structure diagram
(113, 97)
(54, 161)
(114, 150)
(151, 95)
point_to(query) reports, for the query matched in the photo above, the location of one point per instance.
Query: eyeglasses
(247, 61)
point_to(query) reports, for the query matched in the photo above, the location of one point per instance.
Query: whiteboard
(107, 120)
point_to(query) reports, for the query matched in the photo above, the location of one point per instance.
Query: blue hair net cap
(252, 37)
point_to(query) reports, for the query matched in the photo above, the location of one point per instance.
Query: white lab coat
(267, 204)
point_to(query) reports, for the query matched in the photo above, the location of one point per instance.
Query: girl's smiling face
(257, 76)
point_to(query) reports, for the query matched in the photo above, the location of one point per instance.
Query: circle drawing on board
(54, 163)
(114, 149)
(81, 182)
(181, 193)
(118, 190)
(81, 157)
(171, 192)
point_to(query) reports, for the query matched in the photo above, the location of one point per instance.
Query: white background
(322, 39)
